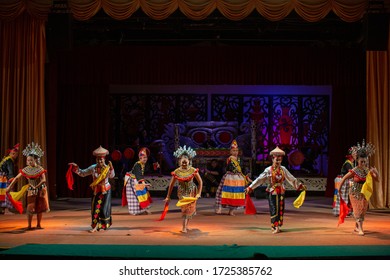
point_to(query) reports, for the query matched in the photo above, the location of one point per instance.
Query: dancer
(187, 191)
(37, 196)
(361, 176)
(275, 176)
(347, 165)
(231, 189)
(7, 173)
(101, 199)
(135, 192)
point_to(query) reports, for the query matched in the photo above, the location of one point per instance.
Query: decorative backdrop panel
(299, 124)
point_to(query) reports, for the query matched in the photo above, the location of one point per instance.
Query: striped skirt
(138, 198)
(3, 186)
(231, 191)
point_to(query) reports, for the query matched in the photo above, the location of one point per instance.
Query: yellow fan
(367, 188)
(300, 199)
(185, 200)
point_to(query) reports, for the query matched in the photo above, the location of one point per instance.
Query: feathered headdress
(33, 149)
(364, 148)
(185, 151)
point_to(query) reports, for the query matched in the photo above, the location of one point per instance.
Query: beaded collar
(185, 174)
(360, 172)
(32, 171)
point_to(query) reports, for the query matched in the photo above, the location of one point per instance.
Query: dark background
(85, 58)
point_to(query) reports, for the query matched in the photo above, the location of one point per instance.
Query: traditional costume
(187, 187)
(346, 167)
(188, 192)
(231, 189)
(101, 199)
(37, 195)
(7, 173)
(362, 186)
(359, 195)
(275, 178)
(135, 192)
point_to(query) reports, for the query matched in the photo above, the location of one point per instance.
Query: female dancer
(187, 191)
(360, 174)
(135, 192)
(37, 197)
(231, 189)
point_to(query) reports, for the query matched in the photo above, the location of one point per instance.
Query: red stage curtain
(274, 10)
(378, 122)
(23, 53)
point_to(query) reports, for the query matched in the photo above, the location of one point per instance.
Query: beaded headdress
(185, 151)
(33, 149)
(364, 148)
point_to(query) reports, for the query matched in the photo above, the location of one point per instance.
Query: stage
(310, 232)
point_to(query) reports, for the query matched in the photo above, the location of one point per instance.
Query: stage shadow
(304, 229)
(253, 228)
(191, 233)
(18, 230)
(376, 234)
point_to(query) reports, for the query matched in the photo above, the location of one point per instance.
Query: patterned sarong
(133, 204)
(233, 190)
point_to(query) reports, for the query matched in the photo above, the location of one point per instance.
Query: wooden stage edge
(308, 232)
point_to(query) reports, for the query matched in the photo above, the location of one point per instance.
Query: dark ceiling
(140, 29)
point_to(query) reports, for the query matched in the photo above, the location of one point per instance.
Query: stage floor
(312, 227)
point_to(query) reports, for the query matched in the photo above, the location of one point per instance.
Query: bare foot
(218, 211)
(93, 230)
(184, 230)
(231, 213)
(361, 233)
(276, 230)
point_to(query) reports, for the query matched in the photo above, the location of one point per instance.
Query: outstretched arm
(9, 188)
(258, 181)
(82, 172)
(291, 179)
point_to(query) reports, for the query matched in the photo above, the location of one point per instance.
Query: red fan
(250, 208)
(164, 213)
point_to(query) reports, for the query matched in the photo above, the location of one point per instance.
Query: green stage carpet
(74, 251)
